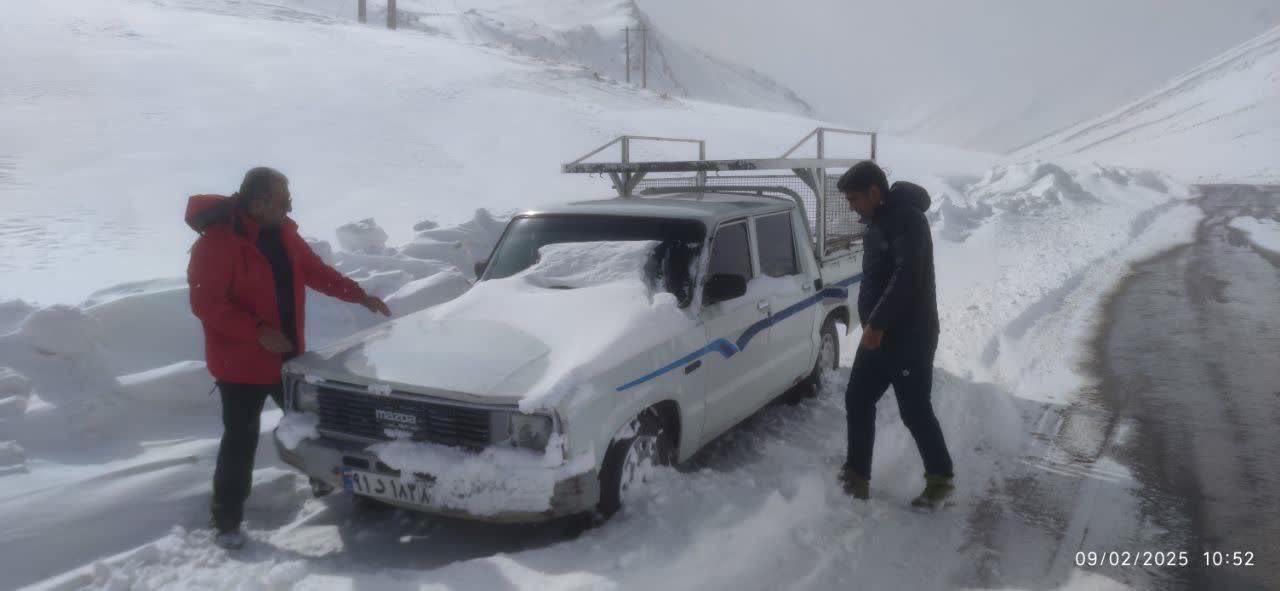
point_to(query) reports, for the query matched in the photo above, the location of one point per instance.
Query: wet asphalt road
(1189, 356)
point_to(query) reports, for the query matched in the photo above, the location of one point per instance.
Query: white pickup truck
(601, 337)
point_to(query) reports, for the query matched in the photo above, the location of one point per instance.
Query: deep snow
(1263, 233)
(108, 430)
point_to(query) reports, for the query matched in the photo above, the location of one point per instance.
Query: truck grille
(368, 416)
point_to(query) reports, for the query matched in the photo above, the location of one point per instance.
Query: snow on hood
(532, 337)
(584, 264)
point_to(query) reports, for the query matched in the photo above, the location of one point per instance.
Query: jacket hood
(207, 211)
(204, 211)
(909, 194)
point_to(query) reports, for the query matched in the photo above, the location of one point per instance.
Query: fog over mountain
(986, 74)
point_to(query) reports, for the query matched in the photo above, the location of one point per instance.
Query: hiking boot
(937, 487)
(854, 484)
(229, 540)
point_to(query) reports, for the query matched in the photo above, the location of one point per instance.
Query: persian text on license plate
(384, 487)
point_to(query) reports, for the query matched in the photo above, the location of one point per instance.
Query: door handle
(692, 367)
(806, 287)
(762, 305)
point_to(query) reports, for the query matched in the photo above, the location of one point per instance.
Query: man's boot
(937, 487)
(854, 484)
(229, 540)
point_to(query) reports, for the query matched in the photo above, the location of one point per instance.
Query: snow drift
(1263, 233)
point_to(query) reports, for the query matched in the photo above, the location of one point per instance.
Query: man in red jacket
(248, 275)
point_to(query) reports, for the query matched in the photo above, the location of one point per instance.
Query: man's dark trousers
(233, 477)
(910, 371)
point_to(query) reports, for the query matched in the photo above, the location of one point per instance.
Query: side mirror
(480, 267)
(722, 287)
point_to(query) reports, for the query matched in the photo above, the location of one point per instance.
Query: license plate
(380, 486)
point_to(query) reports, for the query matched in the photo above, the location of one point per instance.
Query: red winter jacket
(233, 289)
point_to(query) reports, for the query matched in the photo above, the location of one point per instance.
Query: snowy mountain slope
(113, 112)
(1220, 122)
(585, 32)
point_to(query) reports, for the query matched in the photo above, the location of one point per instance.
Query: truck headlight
(306, 397)
(530, 431)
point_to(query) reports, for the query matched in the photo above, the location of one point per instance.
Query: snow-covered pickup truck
(601, 337)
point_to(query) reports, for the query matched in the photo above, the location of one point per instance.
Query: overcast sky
(989, 74)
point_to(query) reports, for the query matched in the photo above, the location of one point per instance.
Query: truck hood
(460, 354)
(533, 338)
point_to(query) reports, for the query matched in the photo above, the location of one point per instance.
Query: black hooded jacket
(898, 294)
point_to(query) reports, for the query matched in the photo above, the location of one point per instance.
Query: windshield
(669, 267)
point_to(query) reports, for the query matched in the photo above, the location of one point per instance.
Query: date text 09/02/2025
(1163, 558)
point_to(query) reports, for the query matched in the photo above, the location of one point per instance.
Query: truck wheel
(828, 356)
(629, 459)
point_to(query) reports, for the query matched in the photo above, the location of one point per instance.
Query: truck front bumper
(476, 499)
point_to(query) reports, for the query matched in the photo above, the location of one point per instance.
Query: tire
(626, 456)
(828, 359)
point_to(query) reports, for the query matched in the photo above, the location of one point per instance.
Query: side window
(777, 245)
(731, 251)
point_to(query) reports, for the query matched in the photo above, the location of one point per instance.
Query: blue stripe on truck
(837, 290)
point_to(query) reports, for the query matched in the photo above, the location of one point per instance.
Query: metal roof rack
(833, 225)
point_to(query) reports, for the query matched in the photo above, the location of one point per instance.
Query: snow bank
(60, 350)
(12, 407)
(12, 313)
(13, 383)
(61, 331)
(184, 384)
(146, 324)
(363, 236)
(1263, 233)
(11, 454)
(493, 481)
(134, 349)
(1038, 188)
(1027, 253)
(461, 246)
(423, 293)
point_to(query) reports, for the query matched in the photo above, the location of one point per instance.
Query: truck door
(734, 384)
(793, 311)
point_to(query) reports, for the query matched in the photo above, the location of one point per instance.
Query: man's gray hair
(256, 184)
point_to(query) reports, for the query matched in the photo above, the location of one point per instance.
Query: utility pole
(644, 57)
(644, 54)
(362, 11)
(391, 14)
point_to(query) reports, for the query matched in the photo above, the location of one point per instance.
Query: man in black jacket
(898, 308)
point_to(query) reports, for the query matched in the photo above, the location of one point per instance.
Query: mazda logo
(395, 417)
